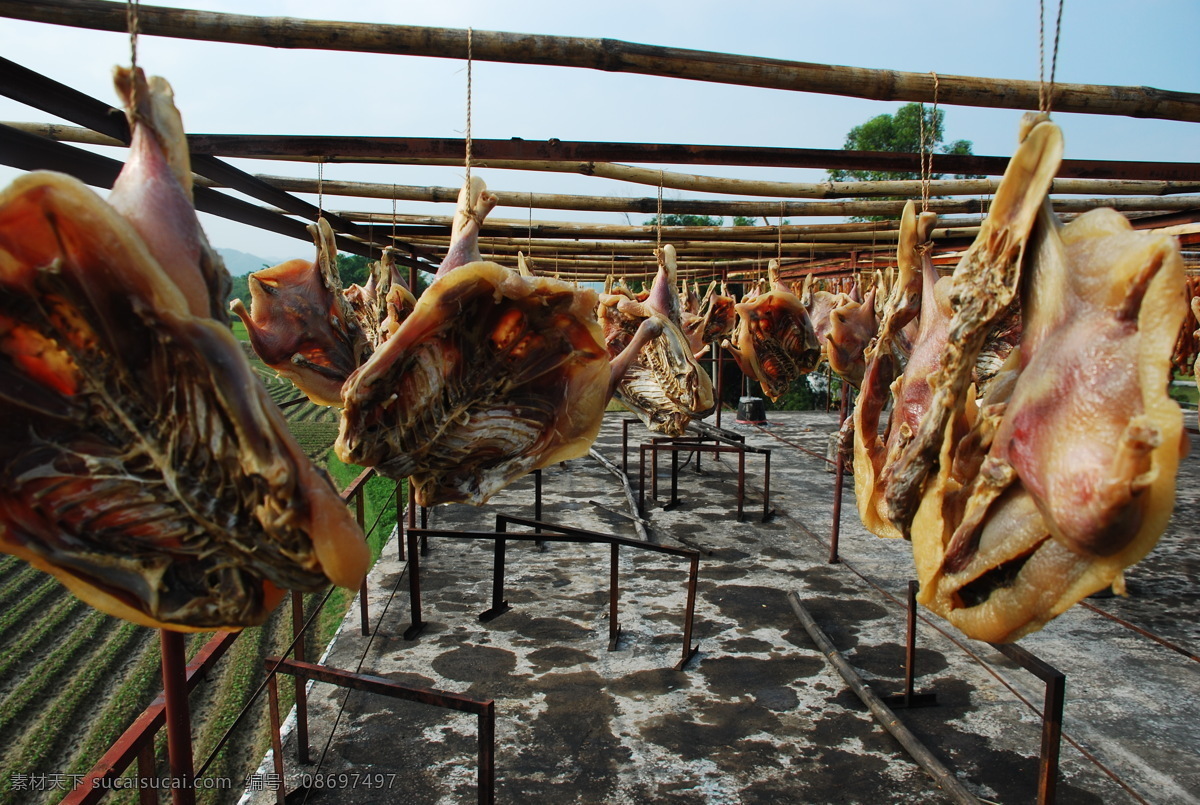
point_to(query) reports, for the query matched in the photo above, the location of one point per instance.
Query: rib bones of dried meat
(143, 463)
(774, 342)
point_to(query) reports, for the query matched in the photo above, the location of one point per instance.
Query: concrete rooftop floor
(758, 715)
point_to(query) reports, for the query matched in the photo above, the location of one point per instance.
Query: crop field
(73, 679)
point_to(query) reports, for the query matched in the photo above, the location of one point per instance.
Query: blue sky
(240, 89)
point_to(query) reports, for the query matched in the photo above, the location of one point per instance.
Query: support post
(301, 691)
(364, 614)
(614, 630)
(839, 468)
(179, 727)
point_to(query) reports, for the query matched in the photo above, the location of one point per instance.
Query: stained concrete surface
(758, 715)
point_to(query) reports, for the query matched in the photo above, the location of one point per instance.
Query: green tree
(742, 220)
(353, 268)
(901, 133)
(685, 220)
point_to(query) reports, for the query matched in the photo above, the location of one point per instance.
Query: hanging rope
(393, 215)
(131, 22)
(1046, 92)
(928, 140)
(529, 236)
(779, 236)
(467, 134)
(320, 187)
(658, 221)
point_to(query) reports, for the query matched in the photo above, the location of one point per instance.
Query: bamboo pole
(603, 251)
(608, 55)
(944, 777)
(883, 232)
(649, 206)
(694, 182)
(706, 184)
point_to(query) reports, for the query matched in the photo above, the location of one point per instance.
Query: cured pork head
(492, 376)
(143, 463)
(300, 323)
(663, 384)
(774, 342)
(982, 289)
(1076, 479)
(852, 325)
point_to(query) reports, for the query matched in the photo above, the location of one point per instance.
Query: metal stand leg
(179, 726)
(908, 698)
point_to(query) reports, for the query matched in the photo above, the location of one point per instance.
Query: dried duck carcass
(774, 342)
(852, 325)
(492, 376)
(664, 384)
(144, 464)
(713, 320)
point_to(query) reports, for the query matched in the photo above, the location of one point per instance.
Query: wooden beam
(648, 206)
(708, 184)
(371, 149)
(609, 55)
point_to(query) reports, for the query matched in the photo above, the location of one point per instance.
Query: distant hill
(240, 263)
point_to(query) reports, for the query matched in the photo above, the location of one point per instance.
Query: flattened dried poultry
(302, 325)
(143, 463)
(1076, 480)
(774, 342)
(664, 384)
(852, 325)
(492, 376)
(983, 287)
(891, 368)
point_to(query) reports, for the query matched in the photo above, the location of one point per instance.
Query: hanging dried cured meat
(143, 463)
(981, 291)
(713, 320)
(301, 324)
(379, 307)
(718, 314)
(774, 342)
(492, 376)
(1073, 478)
(663, 384)
(896, 369)
(852, 325)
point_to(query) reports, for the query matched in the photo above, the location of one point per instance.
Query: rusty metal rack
(1052, 710)
(549, 532)
(485, 709)
(1052, 715)
(722, 441)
